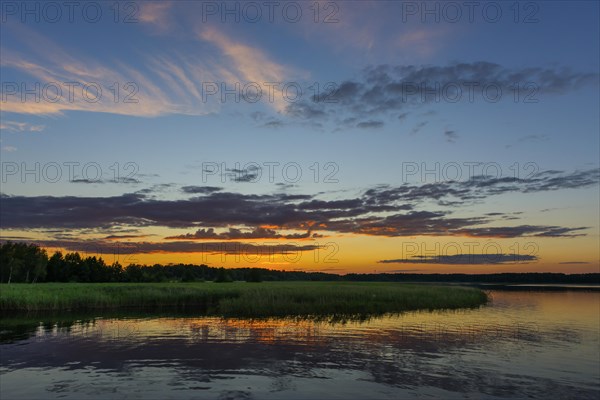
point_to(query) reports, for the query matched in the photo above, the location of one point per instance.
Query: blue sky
(372, 59)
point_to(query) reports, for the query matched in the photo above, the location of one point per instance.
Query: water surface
(524, 344)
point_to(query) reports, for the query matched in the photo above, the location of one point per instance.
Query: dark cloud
(554, 180)
(451, 136)
(285, 186)
(304, 111)
(121, 180)
(200, 189)
(523, 230)
(387, 88)
(473, 259)
(480, 187)
(158, 188)
(369, 124)
(247, 177)
(125, 180)
(344, 93)
(216, 209)
(273, 124)
(81, 180)
(413, 223)
(556, 231)
(331, 205)
(383, 210)
(574, 262)
(237, 234)
(119, 237)
(250, 174)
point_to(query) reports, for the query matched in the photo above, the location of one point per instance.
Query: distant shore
(537, 286)
(239, 298)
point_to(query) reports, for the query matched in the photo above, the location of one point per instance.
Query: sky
(333, 136)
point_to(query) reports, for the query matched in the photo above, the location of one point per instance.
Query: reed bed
(239, 298)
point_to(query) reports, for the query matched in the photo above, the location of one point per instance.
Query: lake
(524, 344)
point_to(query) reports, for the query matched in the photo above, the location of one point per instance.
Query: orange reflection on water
(510, 316)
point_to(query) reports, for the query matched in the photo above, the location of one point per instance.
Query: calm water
(523, 345)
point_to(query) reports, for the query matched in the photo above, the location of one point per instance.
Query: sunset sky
(344, 136)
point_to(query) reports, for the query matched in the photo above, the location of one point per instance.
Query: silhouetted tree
(22, 262)
(254, 275)
(223, 276)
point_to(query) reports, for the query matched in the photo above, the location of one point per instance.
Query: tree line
(28, 263)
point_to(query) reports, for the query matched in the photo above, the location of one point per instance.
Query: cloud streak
(250, 64)
(390, 89)
(462, 259)
(14, 126)
(233, 248)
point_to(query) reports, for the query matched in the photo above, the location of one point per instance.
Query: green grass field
(239, 298)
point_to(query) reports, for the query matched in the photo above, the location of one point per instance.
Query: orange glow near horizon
(346, 254)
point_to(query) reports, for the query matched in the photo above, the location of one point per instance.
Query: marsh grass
(239, 299)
